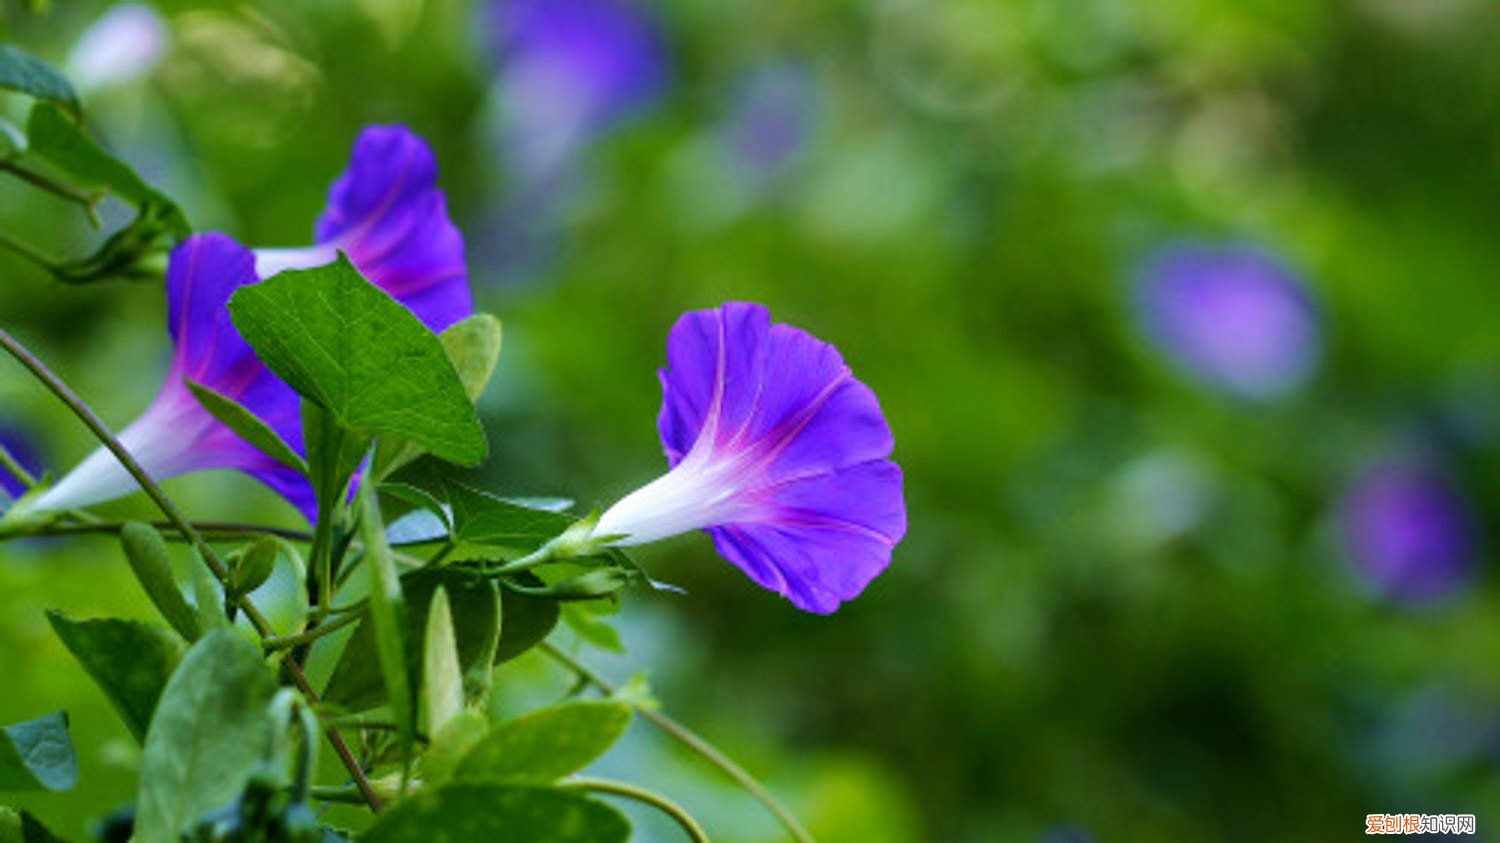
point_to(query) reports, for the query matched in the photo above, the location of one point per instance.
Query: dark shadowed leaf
(210, 728)
(38, 755)
(344, 343)
(525, 620)
(22, 827)
(462, 813)
(546, 745)
(129, 661)
(356, 682)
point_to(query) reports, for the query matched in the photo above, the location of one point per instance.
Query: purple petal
(778, 450)
(571, 68)
(176, 435)
(1409, 532)
(1233, 316)
(387, 213)
(771, 123)
(21, 446)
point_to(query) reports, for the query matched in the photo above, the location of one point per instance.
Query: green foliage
(473, 347)
(394, 643)
(526, 620)
(464, 813)
(129, 661)
(357, 683)
(255, 566)
(38, 755)
(21, 71)
(22, 827)
(150, 560)
(248, 426)
(482, 518)
(546, 745)
(442, 678)
(360, 355)
(209, 730)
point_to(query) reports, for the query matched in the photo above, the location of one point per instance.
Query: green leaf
(481, 518)
(38, 755)
(356, 682)
(388, 619)
(60, 142)
(451, 743)
(247, 426)
(344, 343)
(591, 628)
(462, 813)
(473, 346)
(22, 827)
(256, 565)
(149, 559)
(208, 594)
(210, 729)
(546, 745)
(526, 621)
(129, 661)
(30, 75)
(442, 679)
(12, 140)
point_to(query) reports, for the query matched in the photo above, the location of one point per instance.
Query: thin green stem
(9, 463)
(345, 794)
(691, 739)
(646, 797)
(210, 530)
(65, 394)
(90, 204)
(28, 253)
(287, 642)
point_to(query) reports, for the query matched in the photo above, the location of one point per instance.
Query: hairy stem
(186, 528)
(646, 797)
(691, 739)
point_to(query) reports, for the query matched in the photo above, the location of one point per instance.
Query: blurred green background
(1123, 610)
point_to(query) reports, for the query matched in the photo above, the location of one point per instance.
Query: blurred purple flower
(1408, 531)
(775, 449)
(15, 440)
(388, 215)
(771, 123)
(1067, 834)
(1233, 316)
(570, 70)
(124, 43)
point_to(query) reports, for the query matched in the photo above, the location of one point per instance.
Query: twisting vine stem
(693, 741)
(661, 803)
(65, 394)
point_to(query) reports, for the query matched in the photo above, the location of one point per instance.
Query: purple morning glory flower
(1408, 531)
(19, 445)
(572, 69)
(1233, 316)
(771, 123)
(387, 214)
(778, 452)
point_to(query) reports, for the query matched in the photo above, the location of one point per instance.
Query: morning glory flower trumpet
(387, 214)
(778, 452)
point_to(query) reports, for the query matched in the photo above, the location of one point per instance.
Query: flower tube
(778, 452)
(387, 214)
